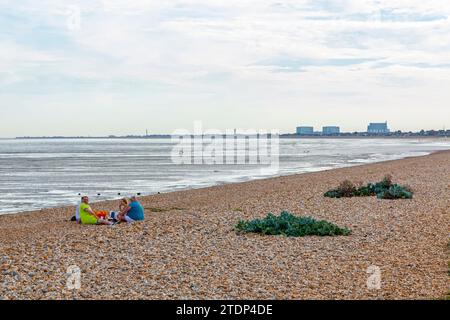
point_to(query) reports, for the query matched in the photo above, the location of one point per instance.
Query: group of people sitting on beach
(130, 210)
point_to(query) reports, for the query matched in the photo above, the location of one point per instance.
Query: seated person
(87, 215)
(132, 212)
(123, 204)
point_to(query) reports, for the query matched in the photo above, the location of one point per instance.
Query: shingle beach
(187, 248)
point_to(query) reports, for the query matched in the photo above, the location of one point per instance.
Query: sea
(45, 173)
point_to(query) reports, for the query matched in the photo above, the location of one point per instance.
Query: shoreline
(99, 202)
(187, 247)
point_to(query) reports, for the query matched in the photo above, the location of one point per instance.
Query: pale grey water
(37, 174)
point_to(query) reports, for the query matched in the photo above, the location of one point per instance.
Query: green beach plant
(395, 192)
(385, 189)
(290, 225)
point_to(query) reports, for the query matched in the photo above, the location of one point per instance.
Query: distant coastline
(394, 135)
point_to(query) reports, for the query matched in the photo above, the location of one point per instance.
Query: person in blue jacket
(133, 212)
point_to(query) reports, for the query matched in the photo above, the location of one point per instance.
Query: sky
(123, 66)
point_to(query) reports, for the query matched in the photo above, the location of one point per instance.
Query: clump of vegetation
(384, 189)
(395, 192)
(346, 188)
(290, 225)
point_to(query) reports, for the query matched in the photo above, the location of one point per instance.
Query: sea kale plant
(290, 225)
(384, 189)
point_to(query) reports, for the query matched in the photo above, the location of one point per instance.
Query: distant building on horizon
(305, 130)
(330, 130)
(375, 127)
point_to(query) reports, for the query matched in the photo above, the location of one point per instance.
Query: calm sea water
(37, 174)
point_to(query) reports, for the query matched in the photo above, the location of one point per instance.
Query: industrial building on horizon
(378, 128)
(305, 130)
(309, 130)
(330, 130)
(373, 128)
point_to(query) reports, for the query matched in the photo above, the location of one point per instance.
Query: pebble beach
(187, 247)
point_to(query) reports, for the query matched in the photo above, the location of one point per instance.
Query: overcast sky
(119, 67)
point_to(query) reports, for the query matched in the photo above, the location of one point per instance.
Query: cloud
(184, 54)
